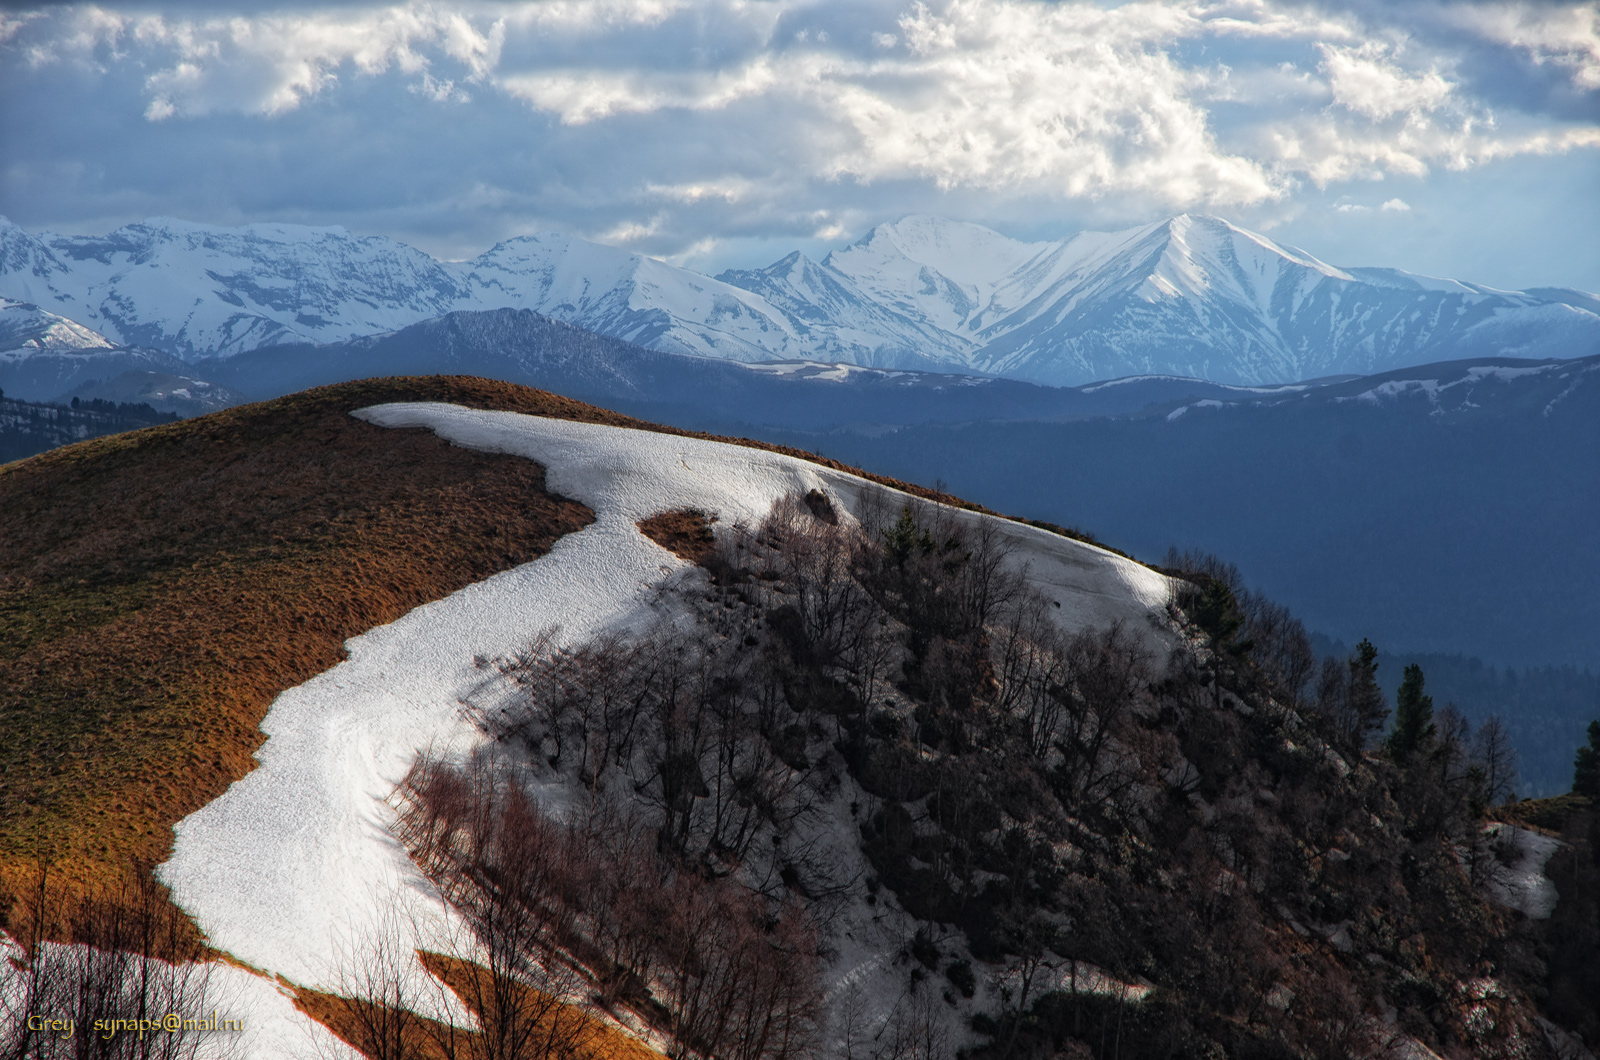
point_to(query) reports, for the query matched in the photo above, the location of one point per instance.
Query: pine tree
(1217, 612)
(1586, 766)
(1366, 708)
(1413, 717)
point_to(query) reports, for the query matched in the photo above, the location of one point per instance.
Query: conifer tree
(1413, 717)
(1586, 766)
(1367, 708)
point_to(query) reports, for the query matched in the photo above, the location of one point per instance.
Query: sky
(1451, 138)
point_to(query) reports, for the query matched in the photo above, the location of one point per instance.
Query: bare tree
(126, 980)
(375, 1006)
(1497, 757)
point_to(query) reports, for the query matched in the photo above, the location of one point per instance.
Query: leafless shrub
(129, 958)
(721, 969)
(375, 1006)
(1497, 757)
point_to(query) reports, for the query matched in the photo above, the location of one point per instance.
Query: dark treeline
(29, 427)
(1545, 709)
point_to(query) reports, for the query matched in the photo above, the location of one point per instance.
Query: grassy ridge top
(158, 589)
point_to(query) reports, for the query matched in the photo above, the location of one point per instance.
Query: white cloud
(1074, 98)
(1396, 206)
(1366, 79)
(579, 97)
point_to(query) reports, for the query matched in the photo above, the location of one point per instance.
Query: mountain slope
(29, 427)
(520, 346)
(196, 290)
(878, 771)
(43, 355)
(25, 327)
(1190, 296)
(1447, 508)
(1197, 296)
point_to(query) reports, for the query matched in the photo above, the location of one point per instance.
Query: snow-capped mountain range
(1189, 296)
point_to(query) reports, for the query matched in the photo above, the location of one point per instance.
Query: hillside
(253, 542)
(714, 747)
(1447, 508)
(29, 427)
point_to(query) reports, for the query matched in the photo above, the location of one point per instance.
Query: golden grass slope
(158, 589)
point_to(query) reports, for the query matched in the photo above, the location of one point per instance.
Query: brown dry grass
(685, 533)
(158, 589)
(590, 1037)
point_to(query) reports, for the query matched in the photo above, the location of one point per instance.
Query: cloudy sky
(1457, 138)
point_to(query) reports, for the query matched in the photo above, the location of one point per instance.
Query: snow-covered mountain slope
(296, 867)
(839, 320)
(197, 290)
(44, 356)
(627, 296)
(1201, 297)
(932, 269)
(191, 289)
(26, 329)
(1190, 296)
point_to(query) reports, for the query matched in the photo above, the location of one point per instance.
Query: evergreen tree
(1366, 708)
(1413, 717)
(1586, 766)
(1217, 612)
(905, 537)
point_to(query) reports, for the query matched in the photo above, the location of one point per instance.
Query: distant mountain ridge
(1187, 296)
(520, 346)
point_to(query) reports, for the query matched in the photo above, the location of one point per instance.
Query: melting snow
(1518, 879)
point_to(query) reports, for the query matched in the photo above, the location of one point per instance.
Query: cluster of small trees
(1343, 694)
(597, 907)
(904, 651)
(1047, 794)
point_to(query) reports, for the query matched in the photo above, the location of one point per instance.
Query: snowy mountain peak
(25, 328)
(967, 253)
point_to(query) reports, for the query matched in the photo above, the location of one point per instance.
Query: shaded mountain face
(29, 427)
(1449, 508)
(520, 346)
(162, 391)
(1191, 296)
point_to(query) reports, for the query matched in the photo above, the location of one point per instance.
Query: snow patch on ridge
(1517, 879)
